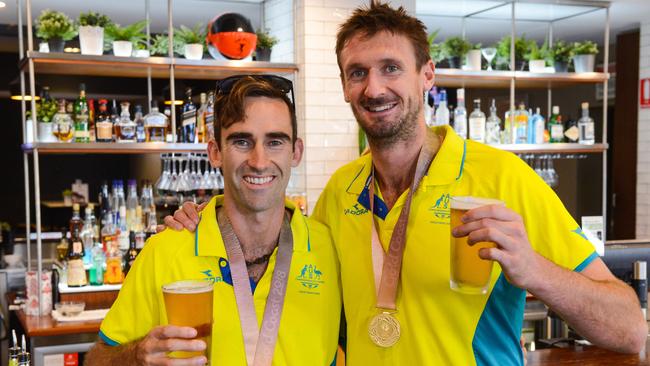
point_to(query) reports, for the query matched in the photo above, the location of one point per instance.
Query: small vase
(474, 60)
(561, 66)
(454, 62)
(263, 54)
(122, 48)
(193, 51)
(584, 63)
(91, 40)
(56, 44)
(537, 65)
(46, 132)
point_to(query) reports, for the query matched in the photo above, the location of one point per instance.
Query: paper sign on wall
(592, 227)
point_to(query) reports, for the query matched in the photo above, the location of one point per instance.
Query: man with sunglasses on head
(275, 274)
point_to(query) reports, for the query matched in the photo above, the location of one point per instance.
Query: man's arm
(150, 350)
(597, 305)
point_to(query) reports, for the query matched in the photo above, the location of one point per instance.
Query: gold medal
(384, 330)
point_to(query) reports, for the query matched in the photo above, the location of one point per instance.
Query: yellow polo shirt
(438, 325)
(309, 326)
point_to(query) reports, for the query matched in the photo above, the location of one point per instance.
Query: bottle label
(104, 131)
(76, 247)
(113, 273)
(76, 272)
(477, 129)
(557, 132)
(189, 118)
(572, 134)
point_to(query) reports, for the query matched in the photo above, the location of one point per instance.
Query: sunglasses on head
(224, 86)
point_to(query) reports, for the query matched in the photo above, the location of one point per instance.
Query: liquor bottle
(169, 137)
(530, 131)
(115, 118)
(76, 271)
(88, 236)
(139, 124)
(93, 221)
(75, 221)
(91, 120)
(104, 202)
(148, 208)
(537, 126)
(188, 126)
(96, 272)
(155, 124)
(120, 222)
(571, 131)
(63, 124)
(477, 123)
(130, 255)
(114, 274)
(109, 234)
(131, 205)
(103, 123)
(442, 113)
(125, 127)
(200, 118)
(24, 358)
(555, 125)
(14, 351)
(493, 126)
(428, 110)
(460, 115)
(81, 132)
(520, 125)
(209, 117)
(45, 94)
(586, 126)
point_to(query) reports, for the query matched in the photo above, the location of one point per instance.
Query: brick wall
(643, 163)
(278, 19)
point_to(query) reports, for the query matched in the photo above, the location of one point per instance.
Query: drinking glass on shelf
(489, 53)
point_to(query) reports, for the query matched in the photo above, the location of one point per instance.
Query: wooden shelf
(557, 148)
(108, 65)
(61, 204)
(523, 79)
(114, 148)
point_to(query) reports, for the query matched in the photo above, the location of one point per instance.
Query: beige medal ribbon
(259, 344)
(384, 329)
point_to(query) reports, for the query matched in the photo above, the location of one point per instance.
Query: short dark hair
(230, 108)
(378, 17)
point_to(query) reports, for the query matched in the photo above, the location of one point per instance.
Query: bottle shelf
(108, 65)
(114, 148)
(557, 148)
(523, 79)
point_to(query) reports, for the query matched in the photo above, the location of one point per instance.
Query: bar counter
(586, 356)
(45, 326)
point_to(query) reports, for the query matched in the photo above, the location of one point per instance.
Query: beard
(384, 132)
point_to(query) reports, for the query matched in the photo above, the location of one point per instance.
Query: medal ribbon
(387, 266)
(259, 344)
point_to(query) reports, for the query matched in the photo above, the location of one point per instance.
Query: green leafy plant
(562, 51)
(265, 39)
(435, 49)
(455, 47)
(93, 19)
(185, 35)
(132, 33)
(54, 24)
(585, 48)
(503, 51)
(477, 46)
(4, 226)
(45, 110)
(536, 53)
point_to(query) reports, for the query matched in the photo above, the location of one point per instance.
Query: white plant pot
(45, 132)
(43, 47)
(91, 40)
(537, 66)
(141, 53)
(193, 51)
(474, 60)
(584, 63)
(29, 131)
(122, 48)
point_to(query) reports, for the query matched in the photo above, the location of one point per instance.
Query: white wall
(643, 156)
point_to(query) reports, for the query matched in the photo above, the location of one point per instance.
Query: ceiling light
(2, 4)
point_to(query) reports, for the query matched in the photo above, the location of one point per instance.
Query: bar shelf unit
(114, 148)
(523, 79)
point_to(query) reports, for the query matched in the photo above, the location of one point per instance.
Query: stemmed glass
(489, 53)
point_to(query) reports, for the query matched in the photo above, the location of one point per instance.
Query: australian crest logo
(440, 209)
(310, 278)
(356, 210)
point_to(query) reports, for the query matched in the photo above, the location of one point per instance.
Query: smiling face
(384, 87)
(256, 155)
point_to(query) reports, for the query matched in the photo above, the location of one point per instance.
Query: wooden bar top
(586, 356)
(43, 326)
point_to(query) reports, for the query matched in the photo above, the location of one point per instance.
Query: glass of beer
(189, 304)
(469, 273)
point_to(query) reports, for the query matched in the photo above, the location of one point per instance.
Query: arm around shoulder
(101, 354)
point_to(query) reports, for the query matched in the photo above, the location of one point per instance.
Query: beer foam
(187, 287)
(469, 202)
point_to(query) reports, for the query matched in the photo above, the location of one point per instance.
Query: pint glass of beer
(189, 304)
(469, 273)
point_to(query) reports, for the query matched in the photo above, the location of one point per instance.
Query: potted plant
(123, 38)
(473, 61)
(55, 28)
(191, 40)
(584, 56)
(91, 32)
(503, 53)
(265, 43)
(454, 49)
(537, 56)
(435, 49)
(561, 52)
(45, 110)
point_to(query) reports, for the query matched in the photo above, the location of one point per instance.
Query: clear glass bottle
(521, 124)
(477, 123)
(200, 118)
(103, 123)
(555, 125)
(63, 124)
(460, 115)
(537, 125)
(125, 127)
(442, 113)
(493, 126)
(209, 117)
(88, 236)
(155, 124)
(131, 205)
(586, 126)
(96, 272)
(139, 124)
